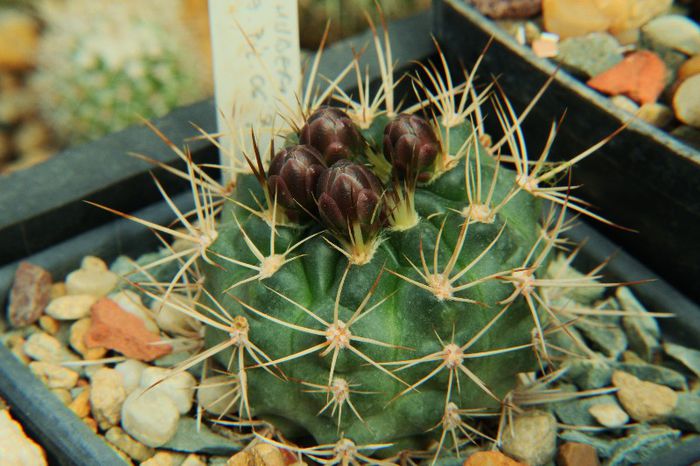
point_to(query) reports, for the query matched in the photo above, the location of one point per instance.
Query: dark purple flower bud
(410, 145)
(292, 179)
(349, 195)
(332, 132)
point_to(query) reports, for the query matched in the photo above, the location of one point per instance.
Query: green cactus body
(407, 349)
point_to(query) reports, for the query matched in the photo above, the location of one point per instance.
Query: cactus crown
(379, 285)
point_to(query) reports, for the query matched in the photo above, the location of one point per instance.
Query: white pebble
(609, 414)
(93, 281)
(41, 346)
(107, 395)
(179, 387)
(171, 318)
(71, 307)
(53, 375)
(150, 417)
(131, 371)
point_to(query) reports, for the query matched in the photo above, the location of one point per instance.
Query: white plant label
(257, 71)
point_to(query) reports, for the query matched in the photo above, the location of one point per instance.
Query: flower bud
(350, 196)
(332, 132)
(410, 145)
(292, 179)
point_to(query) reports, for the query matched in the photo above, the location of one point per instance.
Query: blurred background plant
(72, 71)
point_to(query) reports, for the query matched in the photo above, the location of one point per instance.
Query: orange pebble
(641, 76)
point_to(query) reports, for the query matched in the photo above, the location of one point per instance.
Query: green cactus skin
(409, 321)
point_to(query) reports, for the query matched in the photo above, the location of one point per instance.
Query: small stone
(71, 307)
(588, 374)
(131, 303)
(642, 331)
(602, 445)
(106, 397)
(53, 375)
(116, 329)
(136, 451)
(91, 423)
(609, 414)
(194, 437)
(643, 401)
(29, 294)
(262, 454)
(63, 395)
(41, 346)
(577, 454)
(686, 101)
(131, 371)
(57, 290)
(642, 444)
(490, 458)
(676, 32)
(641, 76)
(688, 134)
(19, 40)
(576, 412)
(49, 325)
(217, 395)
(78, 331)
(93, 280)
(93, 263)
(194, 460)
(624, 103)
(532, 438)
(686, 414)
(628, 36)
(656, 114)
(162, 458)
(171, 318)
(591, 54)
(16, 449)
(654, 373)
(178, 386)
(605, 335)
(688, 356)
(689, 68)
(545, 46)
(81, 404)
(150, 417)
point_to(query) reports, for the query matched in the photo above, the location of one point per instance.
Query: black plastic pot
(643, 179)
(65, 437)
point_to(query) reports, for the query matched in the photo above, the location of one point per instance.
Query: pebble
(116, 329)
(507, 8)
(642, 444)
(179, 387)
(674, 31)
(131, 302)
(654, 373)
(262, 454)
(63, 395)
(16, 449)
(577, 454)
(194, 460)
(135, 450)
(78, 331)
(490, 458)
(688, 135)
(92, 278)
(688, 356)
(641, 76)
(546, 46)
(686, 101)
(570, 18)
(656, 114)
(605, 335)
(29, 295)
(642, 331)
(217, 394)
(71, 307)
(689, 68)
(588, 374)
(532, 438)
(643, 401)
(58, 289)
(49, 325)
(162, 458)
(53, 375)
(131, 371)
(609, 414)
(170, 317)
(686, 414)
(150, 417)
(41, 346)
(81, 403)
(107, 395)
(19, 40)
(591, 54)
(192, 436)
(576, 411)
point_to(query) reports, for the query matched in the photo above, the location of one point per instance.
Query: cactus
(380, 282)
(102, 65)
